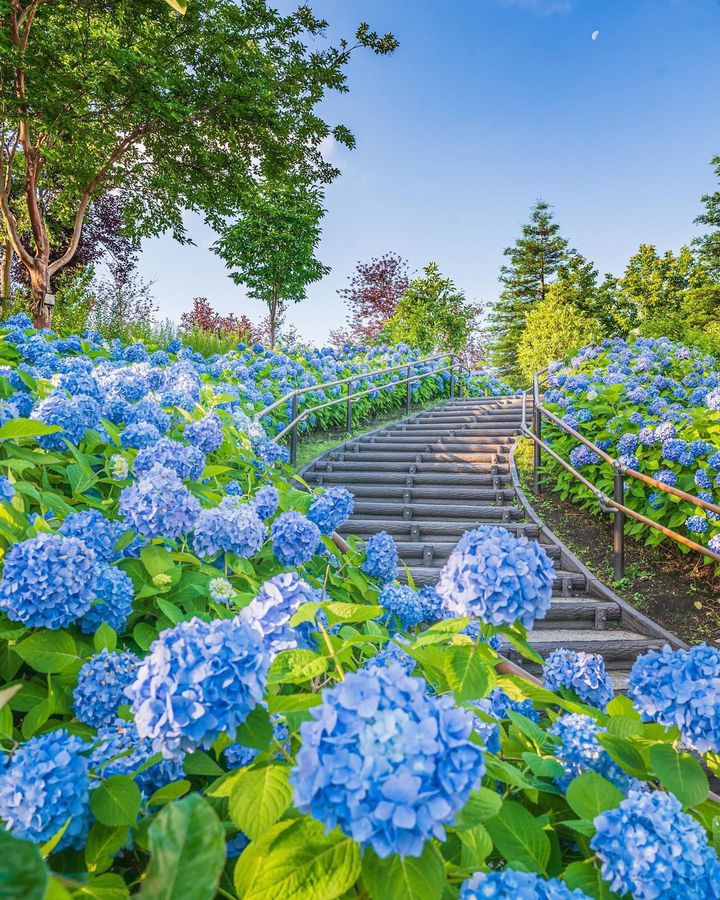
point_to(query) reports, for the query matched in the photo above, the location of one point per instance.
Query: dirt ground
(674, 589)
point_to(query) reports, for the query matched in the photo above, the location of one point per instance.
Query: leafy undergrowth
(203, 696)
(655, 406)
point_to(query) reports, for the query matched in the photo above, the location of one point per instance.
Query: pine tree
(708, 245)
(533, 262)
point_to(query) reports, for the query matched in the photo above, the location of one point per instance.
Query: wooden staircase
(428, 479)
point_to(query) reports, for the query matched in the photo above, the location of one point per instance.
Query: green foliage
(432, 314)
(708, 245)
(553, 328)
(533, 261)
(271, 247)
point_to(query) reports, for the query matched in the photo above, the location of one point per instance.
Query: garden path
(432, 476)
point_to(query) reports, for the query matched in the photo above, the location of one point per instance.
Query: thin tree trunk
(40, 285)
(5, 277)
(273, 321)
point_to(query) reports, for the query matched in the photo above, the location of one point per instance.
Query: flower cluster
(120, 750)
(404, 603)
(386, 763)
(159, 504)
(198, 681)
(295, 539)
(48, 581)
(266, 502)
(331, 509)
(509, 884)
(393, 654)
(650, 848)
(113, 600)
(206, 434)
(381, 557)
(184, 460)
(680, 688)
(45, 784)
(101, 685)
(270, 612)
(580, 750)
(583, 673)
(497, 577)
(232, 527)
(91, 527)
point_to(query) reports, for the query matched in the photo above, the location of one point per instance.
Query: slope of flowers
(655, 406)
(202, 695)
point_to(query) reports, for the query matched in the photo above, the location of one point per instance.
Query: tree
(554, 328)
(533, 261)
(433, 314)
(271, 248)
(372, 296)
(182, 112)
(708, 245)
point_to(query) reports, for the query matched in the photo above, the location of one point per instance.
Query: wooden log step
(471, 515)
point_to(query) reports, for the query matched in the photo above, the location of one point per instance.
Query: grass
(320, 442)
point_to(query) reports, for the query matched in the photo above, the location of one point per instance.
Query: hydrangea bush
(651, 404)
(200, 688)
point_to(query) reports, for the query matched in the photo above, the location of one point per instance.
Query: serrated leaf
(169, 792)
(468, 675)
(290, 703)
(102, 842)
(405, 878)
(482, 805)
(48, 652)
(520, 837)
(296, 667)
(187, 852)
(585, 876)
(199, 763)
(680, 773)
(116, 801)
(256, 731)
(351, 612)
(23, 873)
(623, 752)
(259, 798)
(590, 794)
(19, 428)
(104, 638)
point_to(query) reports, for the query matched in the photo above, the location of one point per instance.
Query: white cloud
(541, 7)
(328, 148)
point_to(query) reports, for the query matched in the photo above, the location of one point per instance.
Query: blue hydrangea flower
(697, 524)
(497, 704)
(509, 884)
(101, 685)
(650, 848)
(159, 505)
(199, 680)
(714, 461)
(42, 785)
(472, 630)
(331, 509)
(48, 581)
(381, 557)
(628, 443)
(583, 456)
(405, 603)
(583, 673)
(7, 491)
(266, 502)
(113, 600)
(432, 603)
(386, 763)
(139, 435)
(295, 539)
(580, 750)
(119, 467)
(712, 401)
(73, 415)
(231, 527)
(714, 543)
(184, 460)
(666, 476)
(677, 450)
(234, 489)
(270, 612)
(703, 479)
(121, 751)
(497, 577)
(680, 688)
(665, 431)
(393, 654)
(236, 845)
(91, 527)
(205, 434)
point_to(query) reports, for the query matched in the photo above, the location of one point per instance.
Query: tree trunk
(273, 322)
(5, 277)
(40, 285)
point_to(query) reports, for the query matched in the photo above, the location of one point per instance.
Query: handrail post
(293, 430)
(619, 527)
(348, 412)
(408, 398)
(452, 376)
(537, 431)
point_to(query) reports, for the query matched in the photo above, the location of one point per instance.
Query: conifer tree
(708, 245)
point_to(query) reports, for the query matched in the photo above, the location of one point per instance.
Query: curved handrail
(621, 471)
(297, 416)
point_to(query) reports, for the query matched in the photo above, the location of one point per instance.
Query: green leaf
(105, 887)
(157, 560)
(290, 703)
(519, 837)
(294, 855)
(623, 752)
(199, 763)
(482, 805)
(259, 798)
(116, 801)
(169, 792)
(441, 631)
(590, 794)
(23, 873)
(296, 667)
(405, 878)
(187, 852)
(476, 844)
(26, 428)
(544, 766)
(47, 651)
(103, 841)
(256, 731)
(468, 675)
(527, 727)
(585, 876)
(104, 638)
(351, 612)
(81, 478)
(680, 773)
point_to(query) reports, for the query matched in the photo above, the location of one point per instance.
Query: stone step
(613, 644)
(471, 515)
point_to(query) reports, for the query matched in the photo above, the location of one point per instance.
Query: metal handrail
(296, 416)
(614, 503)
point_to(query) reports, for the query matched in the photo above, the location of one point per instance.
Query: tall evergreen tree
(533, 262)
(708, 245)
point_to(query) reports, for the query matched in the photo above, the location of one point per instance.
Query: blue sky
(486, 106)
